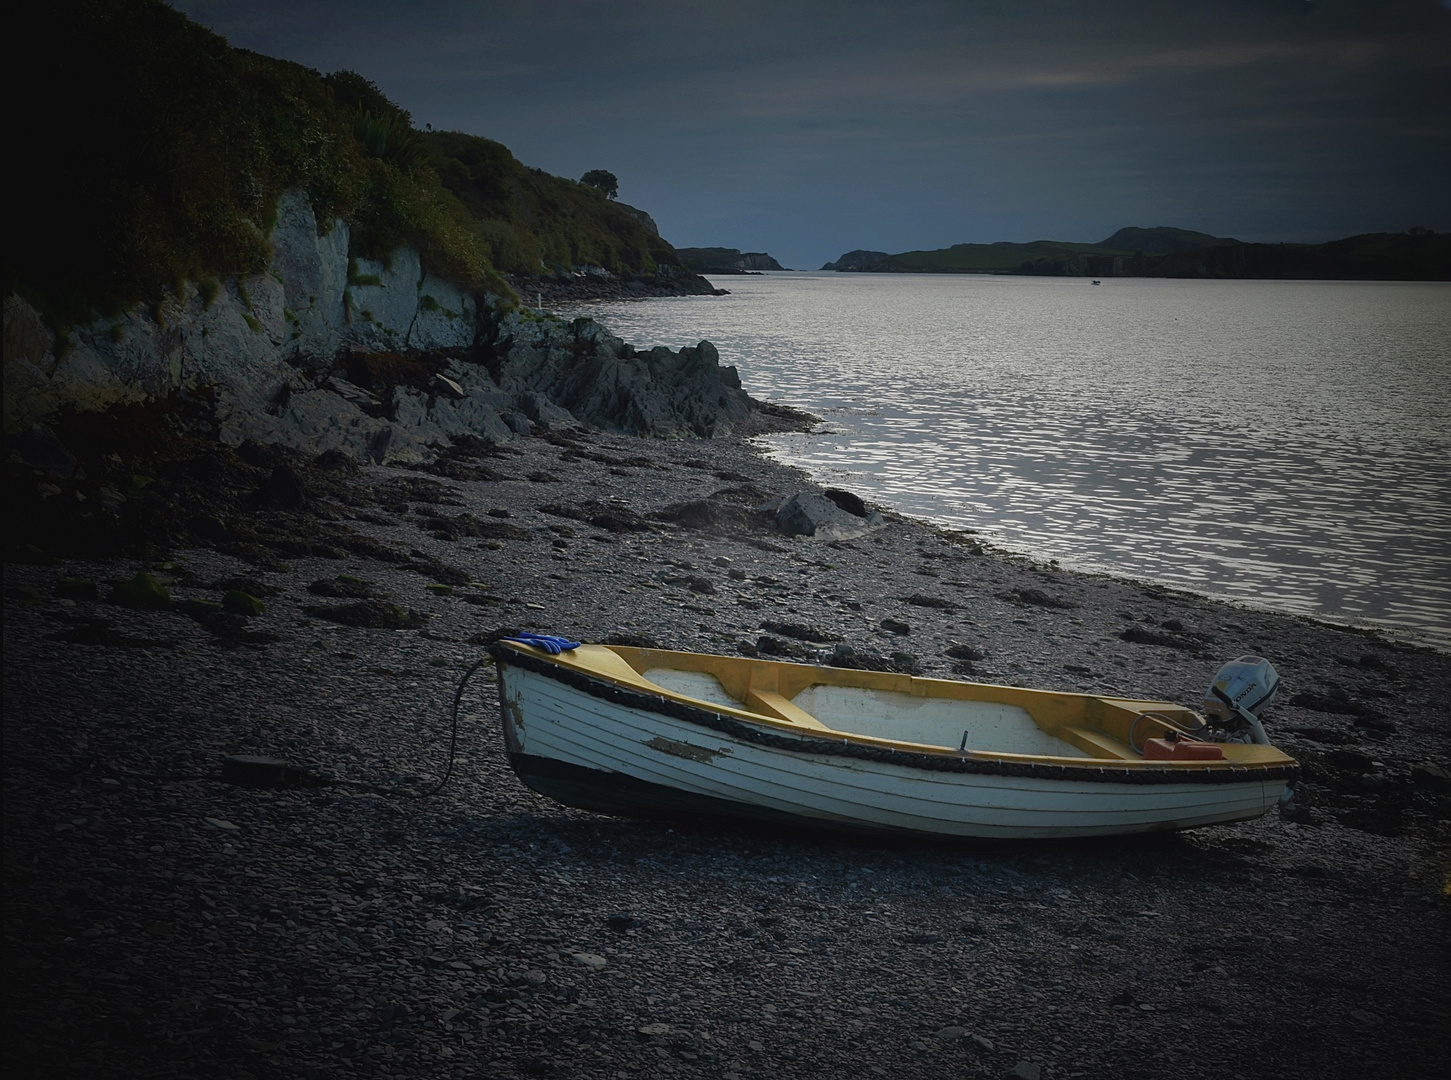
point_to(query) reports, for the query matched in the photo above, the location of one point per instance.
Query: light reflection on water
(1282, 443)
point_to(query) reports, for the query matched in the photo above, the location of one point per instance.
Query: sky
(807, 129)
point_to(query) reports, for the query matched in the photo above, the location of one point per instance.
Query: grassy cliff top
(151, 152)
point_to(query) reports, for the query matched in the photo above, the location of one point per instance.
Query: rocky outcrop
(275, 357)
(584, 368)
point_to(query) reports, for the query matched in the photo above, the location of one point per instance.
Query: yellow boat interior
(904, 712)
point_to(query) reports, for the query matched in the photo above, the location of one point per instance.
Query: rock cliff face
(754, 261)
(277, 355)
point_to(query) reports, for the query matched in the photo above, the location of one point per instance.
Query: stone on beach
(142, 591)
(371, 614)
(78, 589)
(344, 586)
(238, 602)
(807, 513)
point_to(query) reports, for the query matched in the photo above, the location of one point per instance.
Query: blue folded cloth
(548, 642)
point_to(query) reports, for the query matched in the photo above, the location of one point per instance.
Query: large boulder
(811, 514)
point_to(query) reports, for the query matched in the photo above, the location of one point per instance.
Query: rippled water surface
(1282, 443)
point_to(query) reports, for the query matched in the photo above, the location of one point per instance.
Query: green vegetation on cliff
(149, 152)
(531, 222)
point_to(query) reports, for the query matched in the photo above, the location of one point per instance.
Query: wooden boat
(658, 733)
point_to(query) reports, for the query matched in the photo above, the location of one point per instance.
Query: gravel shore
(159, 922)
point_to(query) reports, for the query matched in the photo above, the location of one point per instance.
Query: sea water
(1286, 444)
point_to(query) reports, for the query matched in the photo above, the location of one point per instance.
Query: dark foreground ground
(159, 922)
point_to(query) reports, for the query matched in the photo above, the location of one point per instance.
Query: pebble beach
(162, 922)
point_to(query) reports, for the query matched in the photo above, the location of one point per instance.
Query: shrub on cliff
(604, 180)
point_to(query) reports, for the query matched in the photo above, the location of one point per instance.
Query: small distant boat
(1097, 282)
(649, 732)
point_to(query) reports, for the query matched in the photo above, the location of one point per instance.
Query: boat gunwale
(763, 731)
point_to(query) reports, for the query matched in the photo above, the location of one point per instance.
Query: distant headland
(1162, 251)
(718, 260)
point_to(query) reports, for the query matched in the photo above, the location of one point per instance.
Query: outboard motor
(1241, 690)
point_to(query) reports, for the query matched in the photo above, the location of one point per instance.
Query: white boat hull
(587, 750)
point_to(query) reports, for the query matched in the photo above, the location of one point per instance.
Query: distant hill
(999, 258)
(1161, 239)
(1417, 255)
(714, 260)
(1005, 257)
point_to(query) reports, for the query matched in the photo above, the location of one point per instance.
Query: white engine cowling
(1241, 690)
